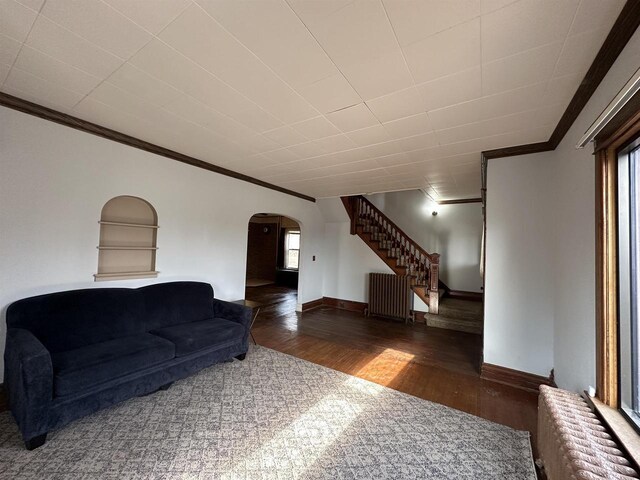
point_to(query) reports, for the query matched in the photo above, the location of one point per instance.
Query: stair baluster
(400, 252)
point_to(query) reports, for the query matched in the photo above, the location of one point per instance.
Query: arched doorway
(273, 260)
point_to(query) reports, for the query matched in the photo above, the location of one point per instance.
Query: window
(292, 249)
(628, 280)
(618, 267)
(617, 160)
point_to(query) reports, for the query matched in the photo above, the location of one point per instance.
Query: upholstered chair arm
(233, 312)
(28, 378)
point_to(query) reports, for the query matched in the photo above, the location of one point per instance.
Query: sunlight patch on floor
(364, 387)
(314, 431)
(386, 366)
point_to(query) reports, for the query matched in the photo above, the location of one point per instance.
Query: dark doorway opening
(273, 254)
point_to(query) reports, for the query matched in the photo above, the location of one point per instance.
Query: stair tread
(461, 325)
(461, 318)
(464, 310)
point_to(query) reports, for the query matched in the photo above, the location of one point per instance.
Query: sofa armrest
(28, 379)
(233, 312)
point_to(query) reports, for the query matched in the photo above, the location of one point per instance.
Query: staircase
(397, 250)
(457, 314)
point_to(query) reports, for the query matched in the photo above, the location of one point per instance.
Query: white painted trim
(620, 100)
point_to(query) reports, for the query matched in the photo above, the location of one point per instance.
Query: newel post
(434, 273)
(353, 204)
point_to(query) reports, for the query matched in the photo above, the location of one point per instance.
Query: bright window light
(292, 249)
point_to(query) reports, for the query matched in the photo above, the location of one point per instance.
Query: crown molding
(619, 35)
(55, 116)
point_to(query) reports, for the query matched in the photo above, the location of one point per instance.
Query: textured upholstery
(175, 303)
(68, 320)
(71, 353)
(66, 409)
(84, 367)
(208, 334)
(28, 379)
(233, 311)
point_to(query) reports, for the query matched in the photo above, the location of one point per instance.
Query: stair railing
(426, 265)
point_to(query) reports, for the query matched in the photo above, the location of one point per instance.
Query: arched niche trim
(128, 239)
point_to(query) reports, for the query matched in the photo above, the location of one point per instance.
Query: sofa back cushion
(176, 302)
(73, 319)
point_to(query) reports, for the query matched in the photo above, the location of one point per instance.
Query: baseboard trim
(349, 305)
(339, 303)
(419, 316)
(312, 304)
(515, 378)
(462, 295)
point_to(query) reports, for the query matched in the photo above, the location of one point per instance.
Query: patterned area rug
(272, 416)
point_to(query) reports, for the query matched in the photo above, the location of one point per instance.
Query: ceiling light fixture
(431, 205)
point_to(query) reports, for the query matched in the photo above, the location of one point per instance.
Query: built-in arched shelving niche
(128, 239)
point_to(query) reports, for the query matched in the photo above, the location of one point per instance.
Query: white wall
(455, 233)
(518, 282)
(574, 261)
(54, 181)
(348, 260)
(568, 284)
(348, 264)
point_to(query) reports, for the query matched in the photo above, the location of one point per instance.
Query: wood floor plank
(431, 363)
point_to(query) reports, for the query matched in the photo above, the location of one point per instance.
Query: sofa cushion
(174, 303)
(66, 321)
(85, 367)
(192, 337)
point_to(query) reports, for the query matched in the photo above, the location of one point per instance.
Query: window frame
(635, 273)
(287, 232)
(628, 318)
(609, 145)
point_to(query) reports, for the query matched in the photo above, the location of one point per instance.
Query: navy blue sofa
(72, 353)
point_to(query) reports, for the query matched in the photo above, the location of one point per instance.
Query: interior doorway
(273, 259)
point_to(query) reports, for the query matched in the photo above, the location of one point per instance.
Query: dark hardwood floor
(431, 363)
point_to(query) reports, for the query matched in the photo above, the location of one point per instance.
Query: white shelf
(122, 224)
(124, 275)
(127, 246)
(105, 247)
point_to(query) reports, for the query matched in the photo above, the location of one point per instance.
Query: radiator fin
(573, 444)
(390, 296)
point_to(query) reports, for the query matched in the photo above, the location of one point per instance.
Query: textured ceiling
(324, 97)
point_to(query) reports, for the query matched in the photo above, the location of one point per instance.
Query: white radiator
(572, 442)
